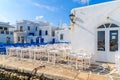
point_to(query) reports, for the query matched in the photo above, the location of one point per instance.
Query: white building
(97, 29)
(32, 32)
(6, 33)
(63, 35)
(39, 32)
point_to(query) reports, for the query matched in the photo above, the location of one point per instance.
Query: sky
(54, 11)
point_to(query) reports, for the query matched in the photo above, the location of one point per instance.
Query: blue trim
(4, 46)
(31, 34)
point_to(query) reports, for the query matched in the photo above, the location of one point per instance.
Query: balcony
(6, 32)
(19, 31)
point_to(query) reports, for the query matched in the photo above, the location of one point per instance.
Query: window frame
(18, 39)
(28, 27)
(46, 32)
(21, 28)
(61, 37)
(107, 28)
(36, 28)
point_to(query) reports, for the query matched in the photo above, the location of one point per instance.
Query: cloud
(50, 8)
(81, 1)
(3, 19)
(39, 17)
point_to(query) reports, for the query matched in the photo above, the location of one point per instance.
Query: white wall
(20, 34)
(3, 38)
(33, 25)
(47, 38)
(25, 26)
(4, 35)
(31, 37)
(66, 35)
(84, 36)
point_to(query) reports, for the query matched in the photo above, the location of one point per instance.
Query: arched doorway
(107, 42)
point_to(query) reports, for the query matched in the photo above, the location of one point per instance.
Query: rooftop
(40, 23)
(117, 2)
(6, 24)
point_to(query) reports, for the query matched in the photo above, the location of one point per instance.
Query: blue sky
(53, 11)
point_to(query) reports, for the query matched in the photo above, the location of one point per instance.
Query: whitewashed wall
(20, 34)
(84, 35)
(25, 26)
(3, 38)
(47, 38)
(31, 37)
(66, 35)
(33, 25)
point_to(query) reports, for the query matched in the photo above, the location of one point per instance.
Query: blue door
(37, 40)
(53, 40)
(42, 40)
(31, 40)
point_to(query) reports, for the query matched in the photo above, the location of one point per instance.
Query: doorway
(107, 42)
(22, 39)
(37, 40)
(42, 40)
(53, 40)
(8, 40)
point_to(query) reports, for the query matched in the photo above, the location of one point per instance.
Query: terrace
(59, 62)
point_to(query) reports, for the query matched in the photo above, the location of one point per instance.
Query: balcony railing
(6, 32)
(19, 31)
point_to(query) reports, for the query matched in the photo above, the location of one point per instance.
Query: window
(7, 32)
(53, 33)
(31, 41)
(111, 31)
(46, 32)
(40, 33)
(31, 34)
(36, 28)
(1, 28)
(113, 25)
(101, 41)
(61, 36)
(113, 40)
(102, 26)
(28, 27)
(5, 28)
(108, 25)
(21, 28)
(2, 32)
(18, 38)
(11, 33)
(8, 40)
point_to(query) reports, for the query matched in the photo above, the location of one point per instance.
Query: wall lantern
(72, 18)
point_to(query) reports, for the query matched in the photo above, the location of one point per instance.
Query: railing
(19, 31)
(6, 32)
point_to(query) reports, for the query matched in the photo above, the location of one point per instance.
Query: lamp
(72, 18)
